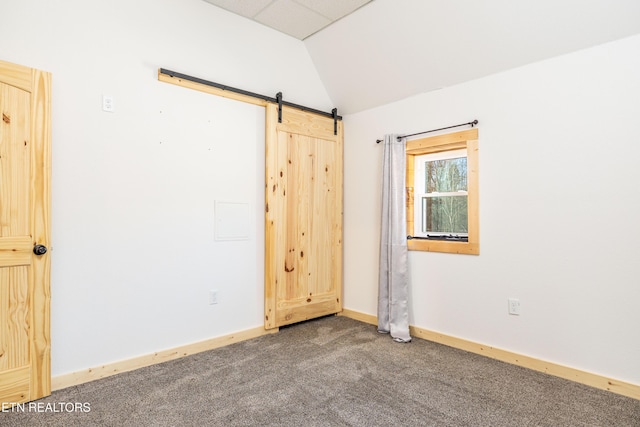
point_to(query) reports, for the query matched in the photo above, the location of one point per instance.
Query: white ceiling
(297, 18)
(387, 50)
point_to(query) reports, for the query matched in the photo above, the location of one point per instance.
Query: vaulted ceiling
(370, 53)
(297, 18)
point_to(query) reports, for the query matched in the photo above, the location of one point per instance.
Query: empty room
(319, 212)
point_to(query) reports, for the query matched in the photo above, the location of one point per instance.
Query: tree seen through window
(444, 203)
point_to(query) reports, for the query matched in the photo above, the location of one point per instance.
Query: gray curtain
(393, 310)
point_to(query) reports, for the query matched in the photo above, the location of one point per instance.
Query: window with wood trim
(442, 193)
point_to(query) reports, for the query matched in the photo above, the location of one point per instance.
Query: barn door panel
(303, 275)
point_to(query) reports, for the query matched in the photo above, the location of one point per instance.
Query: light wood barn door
(303, 260)
(25, 159)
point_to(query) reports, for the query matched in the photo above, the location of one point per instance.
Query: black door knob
(39, 249)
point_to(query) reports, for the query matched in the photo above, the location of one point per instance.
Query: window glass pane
(446, 214)
(443, 176)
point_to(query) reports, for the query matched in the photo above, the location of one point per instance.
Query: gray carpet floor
(333, 371)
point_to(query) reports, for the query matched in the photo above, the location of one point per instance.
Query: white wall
(559, 211)
(133, 253)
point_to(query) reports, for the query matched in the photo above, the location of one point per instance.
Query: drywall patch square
(231, 220)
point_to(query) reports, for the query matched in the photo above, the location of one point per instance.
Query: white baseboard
(582, 377)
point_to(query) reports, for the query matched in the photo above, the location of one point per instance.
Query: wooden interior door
(25, 159)
(303, 260)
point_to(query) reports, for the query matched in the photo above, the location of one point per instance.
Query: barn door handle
(39, 249)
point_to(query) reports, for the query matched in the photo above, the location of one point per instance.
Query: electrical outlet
(514, 306)
(108, 104)
(213, 297)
